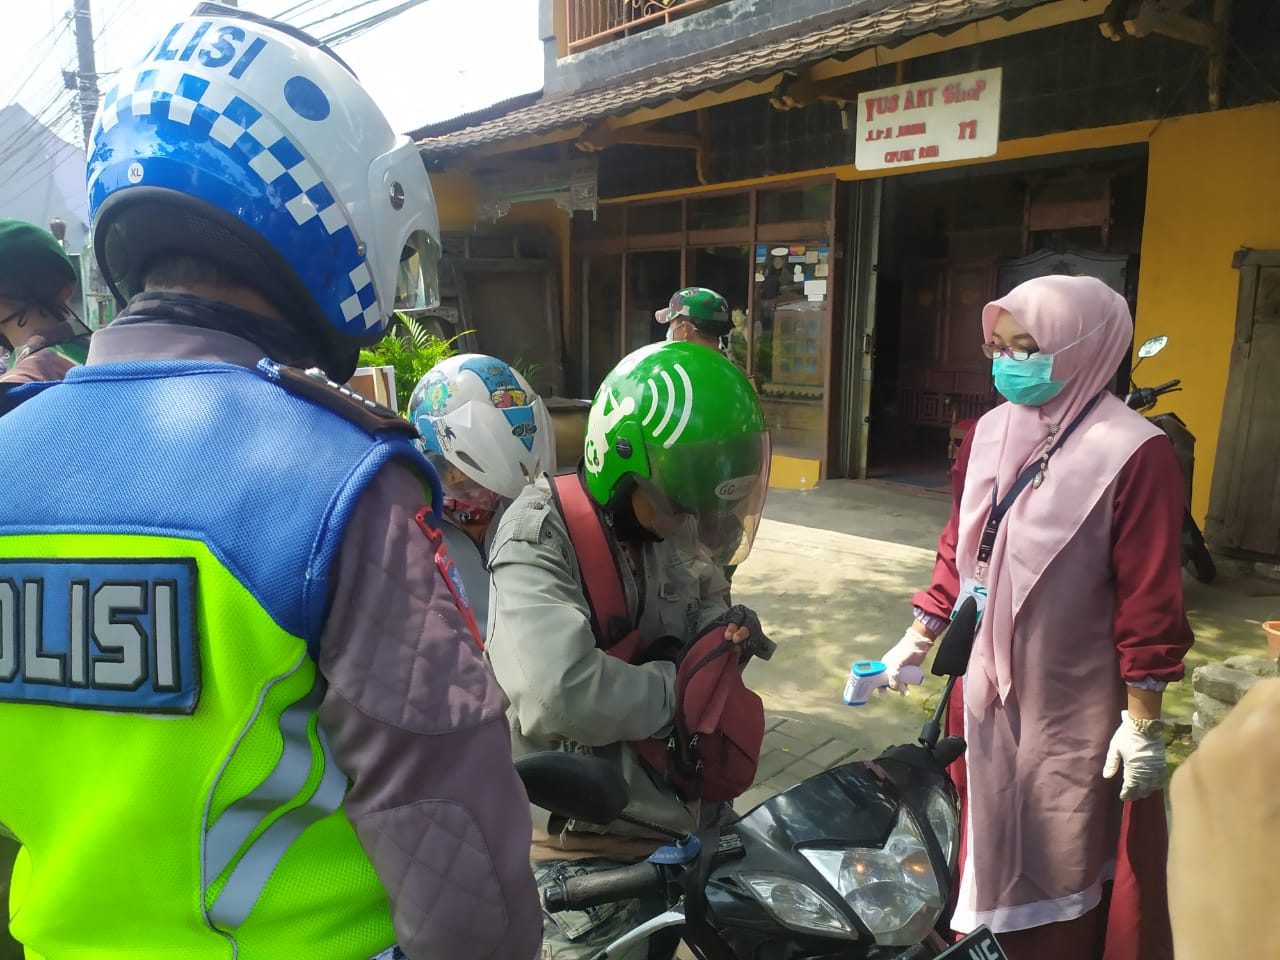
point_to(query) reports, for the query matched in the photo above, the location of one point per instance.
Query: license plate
(979, 945)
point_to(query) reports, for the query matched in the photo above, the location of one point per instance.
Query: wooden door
(1244, 502)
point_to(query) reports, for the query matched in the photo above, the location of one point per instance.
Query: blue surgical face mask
(1026, 382)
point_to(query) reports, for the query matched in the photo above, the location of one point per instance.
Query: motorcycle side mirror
(1151, 347)
(952, 658)
(951, 661)
(574, 785)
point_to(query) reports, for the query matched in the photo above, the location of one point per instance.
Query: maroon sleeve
(1152, 633)
(37, 367)
(940, 599)
(416, 722)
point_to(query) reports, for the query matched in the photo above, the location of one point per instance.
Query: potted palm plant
(408, 351)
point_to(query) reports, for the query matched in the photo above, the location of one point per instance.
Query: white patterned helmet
(480, 416)
(245, 142)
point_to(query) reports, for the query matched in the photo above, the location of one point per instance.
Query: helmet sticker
(436, 392)
(600, 423)
(446, 436)
(507, 395)
(736, 488)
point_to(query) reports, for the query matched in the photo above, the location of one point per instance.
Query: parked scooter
(859, 861)
(1194, 552)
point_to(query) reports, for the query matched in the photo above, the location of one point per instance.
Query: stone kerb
(1217, 687)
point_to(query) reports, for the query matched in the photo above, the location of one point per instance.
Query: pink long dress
(1051, 858)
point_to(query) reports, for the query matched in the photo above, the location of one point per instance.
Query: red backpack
(714, 747)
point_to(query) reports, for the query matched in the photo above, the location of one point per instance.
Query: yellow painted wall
(455, 194)
(1212, 188)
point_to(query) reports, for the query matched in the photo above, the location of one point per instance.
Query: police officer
(36, 281)
(242, 712)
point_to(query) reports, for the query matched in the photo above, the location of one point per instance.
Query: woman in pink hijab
(1066, 524)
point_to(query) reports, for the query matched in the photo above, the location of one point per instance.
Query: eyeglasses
(991, 351)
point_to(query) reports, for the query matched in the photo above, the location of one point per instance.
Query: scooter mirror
(952, 658)
(1152, 347)
(574, 785)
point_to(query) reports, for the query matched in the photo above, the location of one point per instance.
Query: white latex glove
(1143, 758)
(910, 651)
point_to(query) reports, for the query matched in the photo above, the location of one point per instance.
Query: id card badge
(971, 588)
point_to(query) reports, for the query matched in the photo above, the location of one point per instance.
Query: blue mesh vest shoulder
(192, 449)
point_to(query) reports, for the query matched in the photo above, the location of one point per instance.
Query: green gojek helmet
(684, 424)
(705, 309)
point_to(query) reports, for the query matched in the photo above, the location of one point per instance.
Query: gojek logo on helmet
(673, 395)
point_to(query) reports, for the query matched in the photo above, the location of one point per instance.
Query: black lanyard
(999, 508)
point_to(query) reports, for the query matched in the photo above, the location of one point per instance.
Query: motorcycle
(859, 861)
(1194, 552)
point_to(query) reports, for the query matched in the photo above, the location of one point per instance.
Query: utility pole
(87, 74)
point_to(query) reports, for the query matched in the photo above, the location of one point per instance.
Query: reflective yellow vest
(161, 604)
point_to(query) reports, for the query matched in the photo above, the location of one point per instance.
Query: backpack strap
(597, 563)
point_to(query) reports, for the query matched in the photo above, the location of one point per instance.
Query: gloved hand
(742, 626)
(1143, 758)
(910, 651)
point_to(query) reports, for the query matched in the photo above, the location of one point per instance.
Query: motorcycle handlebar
(1143, 397)
(607, 886)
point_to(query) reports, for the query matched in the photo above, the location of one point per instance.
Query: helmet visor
(711, 493)
(418, 281)
(458, 487)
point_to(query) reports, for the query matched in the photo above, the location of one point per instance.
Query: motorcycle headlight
(893, 889)
(944, 819)
(798, 905)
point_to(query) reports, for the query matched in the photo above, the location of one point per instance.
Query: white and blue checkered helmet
(245, 142)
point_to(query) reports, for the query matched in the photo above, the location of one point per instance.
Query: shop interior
(951, 241)
(766, 251)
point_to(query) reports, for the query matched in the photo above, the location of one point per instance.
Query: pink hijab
(1087, 328)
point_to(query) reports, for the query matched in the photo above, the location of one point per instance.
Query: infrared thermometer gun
(868, 676)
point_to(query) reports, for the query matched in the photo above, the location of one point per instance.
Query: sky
(438, 60)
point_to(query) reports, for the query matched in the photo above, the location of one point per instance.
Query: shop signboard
(929, 121)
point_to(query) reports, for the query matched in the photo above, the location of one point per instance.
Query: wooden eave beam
(601, 137)
(528, 142)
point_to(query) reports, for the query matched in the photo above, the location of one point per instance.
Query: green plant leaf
(411, 350)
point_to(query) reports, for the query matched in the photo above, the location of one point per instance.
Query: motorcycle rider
(488, 434)
(249, 719)
(37, 279)
(661, 463)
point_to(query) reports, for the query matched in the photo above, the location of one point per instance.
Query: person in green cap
(696, 315)
(37, 281)
(675, 471)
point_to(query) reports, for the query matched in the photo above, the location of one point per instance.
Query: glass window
(652, 277)
(656, 217)
(726, 270)
(720, 213)
(795, 204)
(790, 363)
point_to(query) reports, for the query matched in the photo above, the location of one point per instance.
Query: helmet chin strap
(466, 513)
